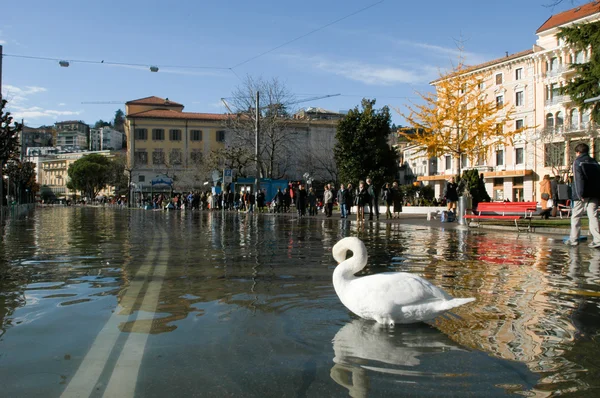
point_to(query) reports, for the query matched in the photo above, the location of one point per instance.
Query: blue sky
(385, 52)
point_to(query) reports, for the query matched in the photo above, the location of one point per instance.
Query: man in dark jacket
(278, 200)
(586, 191)
(373, 200)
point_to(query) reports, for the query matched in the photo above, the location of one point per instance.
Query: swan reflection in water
(362, 346)
(369, 354)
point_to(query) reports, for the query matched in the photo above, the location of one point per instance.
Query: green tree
(119, 121)
(476, 186)
(22, 176)
(90, 174)
(585, 84)
(119, 174)
(362, 149)
(9, 142)
(101, 123)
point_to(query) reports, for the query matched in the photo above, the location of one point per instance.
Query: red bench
(514, 211)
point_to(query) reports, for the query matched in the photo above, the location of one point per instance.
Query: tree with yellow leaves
(459, 119)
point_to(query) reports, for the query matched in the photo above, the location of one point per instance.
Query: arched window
(560, 120)
(549, 121)
(585, 119)
(574, 120)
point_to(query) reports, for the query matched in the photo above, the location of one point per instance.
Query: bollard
(465, 203)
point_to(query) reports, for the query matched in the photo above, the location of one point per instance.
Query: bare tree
(237, 158)
(278, 142)
(318, 159)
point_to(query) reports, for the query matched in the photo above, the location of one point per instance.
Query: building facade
(163, 141)
(72, 134)
(52, 172)
(528, 82)
(105, 138)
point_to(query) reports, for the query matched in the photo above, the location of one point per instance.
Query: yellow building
(163, 141)
(53, 172)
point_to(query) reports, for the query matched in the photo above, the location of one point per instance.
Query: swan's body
(390, 297)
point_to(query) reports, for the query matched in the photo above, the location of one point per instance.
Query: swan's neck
(344, 272)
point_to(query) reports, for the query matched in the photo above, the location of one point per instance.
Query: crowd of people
(305, 201)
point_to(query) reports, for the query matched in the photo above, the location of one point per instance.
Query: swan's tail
(457, 302)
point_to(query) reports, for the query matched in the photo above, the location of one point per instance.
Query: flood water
(119, 303)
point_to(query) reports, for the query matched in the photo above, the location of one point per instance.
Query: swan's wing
(396, 289)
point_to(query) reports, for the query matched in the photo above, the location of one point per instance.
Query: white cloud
(369, 73)
(454, 52)
(17, 96)
(36, 112)
(372, 74)
(18, 99)
(2, 42)
(62, 104)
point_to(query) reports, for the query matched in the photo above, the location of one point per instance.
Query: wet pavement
(131, 303)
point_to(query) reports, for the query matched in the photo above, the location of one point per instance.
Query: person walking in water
(586, 192)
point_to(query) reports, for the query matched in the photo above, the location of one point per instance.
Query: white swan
(389, 297)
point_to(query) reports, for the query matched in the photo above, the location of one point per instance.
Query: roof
(71, 122)
(570, 16)
(488, 63)
(172, 114)
(153, 101)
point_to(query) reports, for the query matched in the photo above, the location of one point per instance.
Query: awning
(441, 177)
(507, 173)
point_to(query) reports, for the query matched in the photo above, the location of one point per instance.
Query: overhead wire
(231, 68)
(307, 34)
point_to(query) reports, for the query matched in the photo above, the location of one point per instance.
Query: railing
(558, 99)
(558, 70)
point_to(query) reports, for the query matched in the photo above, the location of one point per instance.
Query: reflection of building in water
(516, 316)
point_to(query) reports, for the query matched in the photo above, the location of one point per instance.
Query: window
(448, 159)
(175, 156)
(141, 134)
(553, 64)
(549, 121)
(554, 88)
(141, 178)
(481, 85)
(554, 154)
(500, 157)
(519, 124)
(464, 160)
(196, 135)
(574, 122)
(220, 136)
(158, 157)
(499, 101)
(158, 134)
(140, 157)
(585, 119)
(499, 78)
(560, 121)
(499, 128)
(519, 98)
(175, 135)
(196, 156)
(519, 152)
(518, 73)
(579, 57)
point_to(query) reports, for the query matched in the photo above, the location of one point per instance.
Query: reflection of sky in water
(239, 305)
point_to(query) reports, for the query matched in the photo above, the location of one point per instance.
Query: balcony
(559, 70)
(557, 100)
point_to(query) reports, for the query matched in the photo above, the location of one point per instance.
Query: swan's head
(355, 245)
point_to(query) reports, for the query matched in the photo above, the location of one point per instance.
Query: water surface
(101, 302)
